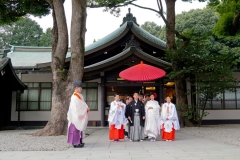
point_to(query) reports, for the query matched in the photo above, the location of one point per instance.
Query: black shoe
(78, 146)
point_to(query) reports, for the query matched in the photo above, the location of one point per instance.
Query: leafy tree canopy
(25, 32)
(12, 11)
(152, 28)
(229, 22)
(193, 20)
(46, 38)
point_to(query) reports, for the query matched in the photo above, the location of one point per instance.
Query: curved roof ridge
(107, 38)
(149, 36)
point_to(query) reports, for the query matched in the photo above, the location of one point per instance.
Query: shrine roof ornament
(129, 17)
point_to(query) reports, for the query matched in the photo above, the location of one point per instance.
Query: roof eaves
(120, 55)
(7, 61)
(153, 58)
(124, 54)
(3, 62)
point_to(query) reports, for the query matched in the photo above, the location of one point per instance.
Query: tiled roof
(128, 25)
(29, 59)
(107, 38)
(126, 53)
(149, 36)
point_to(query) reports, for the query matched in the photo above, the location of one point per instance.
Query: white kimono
(77, 112)
(152, 125)
(116, 114)
(172, 117)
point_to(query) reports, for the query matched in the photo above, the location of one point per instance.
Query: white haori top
(116, 114)
(152, 125)
(169, 112)
(77, 112)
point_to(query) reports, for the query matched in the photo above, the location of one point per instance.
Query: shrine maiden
(169, 120)
(116, 119)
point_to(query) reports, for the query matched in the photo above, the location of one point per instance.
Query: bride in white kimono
(152, 125)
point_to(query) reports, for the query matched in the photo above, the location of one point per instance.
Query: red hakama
(167, 135)
(115, 134)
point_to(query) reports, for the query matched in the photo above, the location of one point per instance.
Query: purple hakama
(74, 135)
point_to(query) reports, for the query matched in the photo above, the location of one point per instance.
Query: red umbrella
(142, 72)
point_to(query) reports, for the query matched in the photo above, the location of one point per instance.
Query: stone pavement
(98, 147)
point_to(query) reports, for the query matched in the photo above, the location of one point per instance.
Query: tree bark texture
(60, 98)
(63, 80)
(78, 30)
(170, 34)
(180, 84)
(234, 28)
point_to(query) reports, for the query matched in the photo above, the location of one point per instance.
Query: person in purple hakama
(77, 117)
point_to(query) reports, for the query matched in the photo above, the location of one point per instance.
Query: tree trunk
(235, 22)
(57, 124)
(170, 35)
(78, 30)
(180, 84)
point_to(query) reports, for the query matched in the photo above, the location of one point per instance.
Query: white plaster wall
(45, 115)
(222, 115)
(36, 77)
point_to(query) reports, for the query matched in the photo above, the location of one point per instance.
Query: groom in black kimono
(136, 116)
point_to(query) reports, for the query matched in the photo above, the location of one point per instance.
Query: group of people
(139, 116)
(142, 119)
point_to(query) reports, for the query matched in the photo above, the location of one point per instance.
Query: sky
(99, 23)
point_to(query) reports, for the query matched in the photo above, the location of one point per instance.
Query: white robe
(171, 116)
(78, 108)
(116, 114)
(152, 125)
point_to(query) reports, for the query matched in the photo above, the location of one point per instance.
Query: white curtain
(45, 99)
(48, 85)
(92, 98)
(84, 94)
(230, 100)
(217, 102)
(33, 99)
(23, 100)
(238, 97)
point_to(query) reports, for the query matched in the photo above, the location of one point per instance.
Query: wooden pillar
(18, 96)
(161, 91)
(103, 99)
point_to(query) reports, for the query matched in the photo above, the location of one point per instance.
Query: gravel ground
(22, 140)
(228, 133)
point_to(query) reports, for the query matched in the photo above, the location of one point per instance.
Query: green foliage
(152, 28)
(25, 32)
(191, 112)
(12, 11)
(222, 26)
(206, 65)
(63, 73)
(228, 11)
(193, 20)
(196, 21)
(46, 38)
(4, 38)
